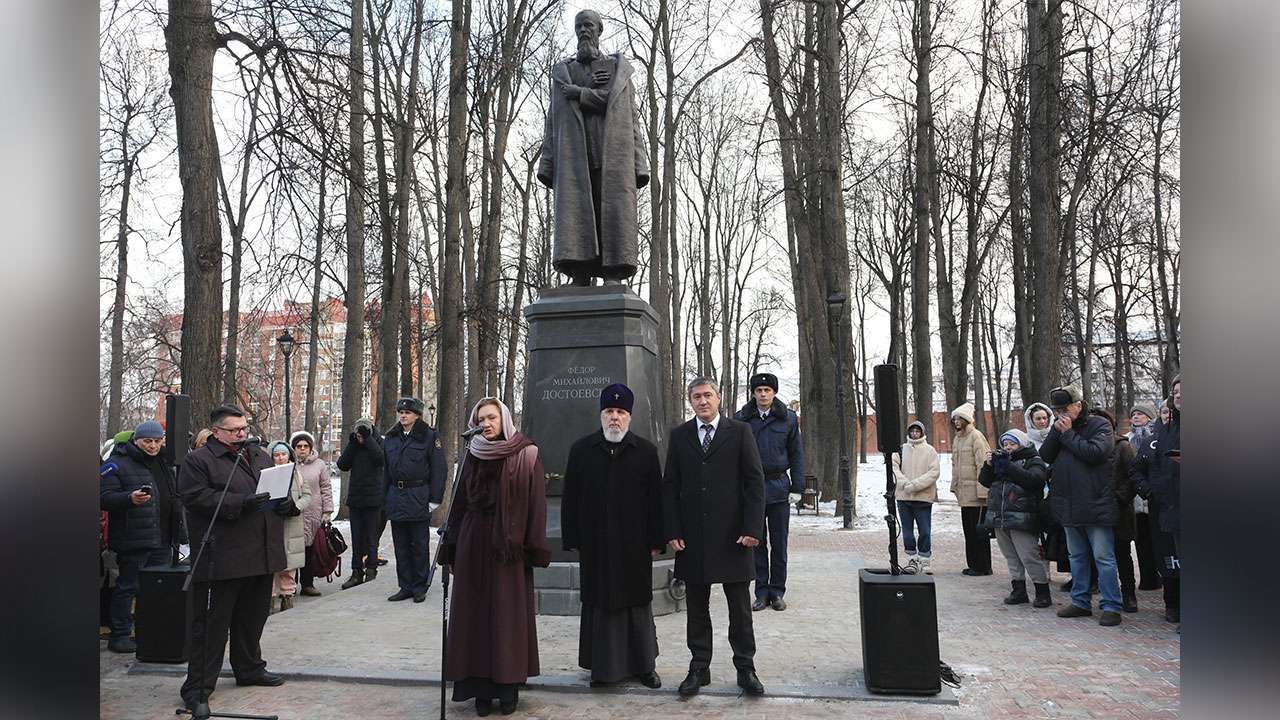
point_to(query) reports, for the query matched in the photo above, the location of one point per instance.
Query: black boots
(1172, 599)
(1042, 596)
(694, 681)
(1019, 594)
(357, 577)
(1129, 601)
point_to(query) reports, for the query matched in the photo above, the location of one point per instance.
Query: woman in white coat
(285, 586)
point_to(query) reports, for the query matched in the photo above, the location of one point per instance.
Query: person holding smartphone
(127, 484)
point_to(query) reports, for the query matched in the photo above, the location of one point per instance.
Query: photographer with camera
(362, 459)
(1014, 476)
(133, 483)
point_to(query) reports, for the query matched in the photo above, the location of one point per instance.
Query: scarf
(513, 491)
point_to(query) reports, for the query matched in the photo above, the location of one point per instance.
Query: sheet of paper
(276, 480)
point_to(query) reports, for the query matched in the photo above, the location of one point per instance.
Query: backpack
(324, 555)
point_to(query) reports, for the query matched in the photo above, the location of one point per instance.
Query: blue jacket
(1158, 477)
(778, 438)
(132, 527)
(414, 472)
(1082, 481)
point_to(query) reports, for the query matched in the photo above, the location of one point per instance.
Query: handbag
(324, 555)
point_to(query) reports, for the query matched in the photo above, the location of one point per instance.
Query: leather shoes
(400, 595)
(694, 681)
(419, 597)
(507, 707)
(199, 710)
(748, 681)
(310, 591)
(779, 604)
(651, 680)
(1074, 611)
(382, 561)
(264, 678)
(975, 573)
(759, 604)
(483, 707)
(1129, 603)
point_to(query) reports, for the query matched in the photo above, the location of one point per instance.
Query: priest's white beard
(613, 434)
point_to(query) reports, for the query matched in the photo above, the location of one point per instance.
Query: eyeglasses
(234, 431)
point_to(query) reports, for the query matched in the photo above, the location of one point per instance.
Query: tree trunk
(115, 382)
(313, 335)
(1044, 42)
(191, 42)
(451, 413)
(923, 369)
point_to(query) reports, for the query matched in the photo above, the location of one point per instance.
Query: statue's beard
(588, 50)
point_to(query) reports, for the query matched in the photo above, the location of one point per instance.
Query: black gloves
(287, 508)
(253, 503)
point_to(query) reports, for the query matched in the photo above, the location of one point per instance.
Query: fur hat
(964, 412)
(302, 435)
(412, 404)
(1148, 410)
(1065, 395)
(764, 379)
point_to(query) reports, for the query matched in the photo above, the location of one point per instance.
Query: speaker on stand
(899, 612)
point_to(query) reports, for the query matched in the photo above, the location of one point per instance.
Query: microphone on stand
(471, 433)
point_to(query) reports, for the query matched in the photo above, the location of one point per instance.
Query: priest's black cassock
(612, 515)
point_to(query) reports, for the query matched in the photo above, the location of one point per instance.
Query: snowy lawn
(869, 505)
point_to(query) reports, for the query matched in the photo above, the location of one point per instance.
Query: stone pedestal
(580, 340)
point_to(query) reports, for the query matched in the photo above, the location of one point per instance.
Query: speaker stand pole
(891, 518)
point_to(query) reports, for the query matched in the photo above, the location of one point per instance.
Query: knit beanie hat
(280, 446)
(148, 429)
(1015, 435)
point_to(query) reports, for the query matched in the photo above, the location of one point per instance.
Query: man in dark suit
(713, 501)
(232, 573)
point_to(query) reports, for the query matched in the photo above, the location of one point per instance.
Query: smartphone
(146, 489)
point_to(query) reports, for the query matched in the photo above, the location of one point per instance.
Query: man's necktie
(706, 437)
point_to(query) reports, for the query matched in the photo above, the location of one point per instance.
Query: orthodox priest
(594, 159)
(612, 515)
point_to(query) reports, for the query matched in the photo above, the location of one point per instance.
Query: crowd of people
(1066, 488)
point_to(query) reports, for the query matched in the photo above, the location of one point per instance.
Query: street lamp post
(835, 313)
(286, 343)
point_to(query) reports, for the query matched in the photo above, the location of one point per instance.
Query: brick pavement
(1014, 661)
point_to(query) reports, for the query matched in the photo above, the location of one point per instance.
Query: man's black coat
(612, 515)
(363, 465)
(711, 500)
(244, 543)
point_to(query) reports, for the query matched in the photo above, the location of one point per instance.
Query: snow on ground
(869, 504)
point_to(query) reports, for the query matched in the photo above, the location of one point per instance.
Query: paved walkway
(373, 659)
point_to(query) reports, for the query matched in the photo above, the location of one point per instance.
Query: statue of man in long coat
(593, 157)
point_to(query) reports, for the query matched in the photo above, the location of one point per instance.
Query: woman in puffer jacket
(915, 473)
(285, 585)
(1015, 477)
(968, 452)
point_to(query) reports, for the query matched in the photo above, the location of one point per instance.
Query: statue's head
(587, 27)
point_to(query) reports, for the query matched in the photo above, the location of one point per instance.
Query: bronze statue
(593, 158)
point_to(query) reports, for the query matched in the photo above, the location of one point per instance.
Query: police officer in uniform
(415, 474)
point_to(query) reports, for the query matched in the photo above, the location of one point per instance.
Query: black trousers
(742, 637)
(977, 543)
(413, 553)
(364, 536)
(1148, 569)
(238, 608)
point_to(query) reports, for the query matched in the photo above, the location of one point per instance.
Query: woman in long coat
(295, 543)
(315, 474)
(496, 535)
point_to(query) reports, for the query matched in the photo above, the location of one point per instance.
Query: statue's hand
(601, 77)
(571, 92)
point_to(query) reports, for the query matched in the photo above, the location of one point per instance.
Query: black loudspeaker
(160, 617)
(899, 633)
(888, 422)
(177, 423)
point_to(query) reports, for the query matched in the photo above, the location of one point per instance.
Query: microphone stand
(206, 541)
(444, 570)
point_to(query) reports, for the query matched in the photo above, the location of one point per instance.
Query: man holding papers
(232, 576)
